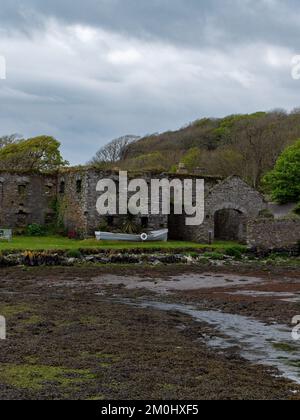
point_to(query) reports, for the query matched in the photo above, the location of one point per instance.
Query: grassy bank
(48, 243)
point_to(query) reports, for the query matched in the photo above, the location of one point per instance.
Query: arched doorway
(230, 225)
(175, 225)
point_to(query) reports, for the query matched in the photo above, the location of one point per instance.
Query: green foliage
(284, 181)
(35, 230)
(34, 377)
(103, 227)
(235, 251)
(223, 132)
(226, 162)
(35, 154)
(57, 224)
(202, 123)
(130, 226)
(151, 161)
(74, 253)
(173, 169)
(244, 145)
(23, 243)
(192, 158)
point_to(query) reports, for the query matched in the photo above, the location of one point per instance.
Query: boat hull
(159, 235)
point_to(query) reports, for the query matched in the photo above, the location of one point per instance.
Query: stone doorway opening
(230, 225)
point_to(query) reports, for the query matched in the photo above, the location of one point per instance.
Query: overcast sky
(89, 71)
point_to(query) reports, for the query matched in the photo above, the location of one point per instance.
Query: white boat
(158, 235)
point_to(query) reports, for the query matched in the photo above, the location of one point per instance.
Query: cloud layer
(86, 72)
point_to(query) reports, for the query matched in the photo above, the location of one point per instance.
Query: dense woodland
(245, 145)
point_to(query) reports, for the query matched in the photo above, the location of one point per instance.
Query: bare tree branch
(9, 139)
(115, 151)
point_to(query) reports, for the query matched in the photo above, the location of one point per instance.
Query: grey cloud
(150, 65)
(192, 22)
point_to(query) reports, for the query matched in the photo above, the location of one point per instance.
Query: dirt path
(72, 334)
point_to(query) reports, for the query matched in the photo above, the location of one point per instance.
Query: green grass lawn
(61, 243)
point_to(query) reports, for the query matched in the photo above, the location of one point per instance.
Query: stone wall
(78, 205)
(230, 194)
(71, 196)
(78, 208)
(273, 234)
(29, 198)
(233, 194)
(26, 199)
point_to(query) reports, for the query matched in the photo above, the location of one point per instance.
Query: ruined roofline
(27, 172)
(108, 172)
(114, 172)
(231, 177)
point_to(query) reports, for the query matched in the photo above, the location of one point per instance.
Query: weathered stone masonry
(78, 196)
(229, 203)
(25, 199)
(274, 234)
(231, 207)
(238, 202)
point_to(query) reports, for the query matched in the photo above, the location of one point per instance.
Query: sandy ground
(149, 333)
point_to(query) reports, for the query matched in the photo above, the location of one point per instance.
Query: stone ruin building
(233, 210)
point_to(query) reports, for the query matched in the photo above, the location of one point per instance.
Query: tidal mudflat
(149, 333)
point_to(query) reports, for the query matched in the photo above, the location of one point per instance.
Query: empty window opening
(78, 186)
(62, 187)
(22, 189)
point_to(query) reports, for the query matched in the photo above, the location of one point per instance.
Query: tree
(249, 143)
(283, 182)
(35, 154)
(192, 158)
(113, 152)
(9, 139)
(152, 161)
(259, 139)
(225, 162)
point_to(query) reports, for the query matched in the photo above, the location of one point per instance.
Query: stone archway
(230, 224)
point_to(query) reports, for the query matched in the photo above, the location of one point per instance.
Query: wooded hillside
(245, 145)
